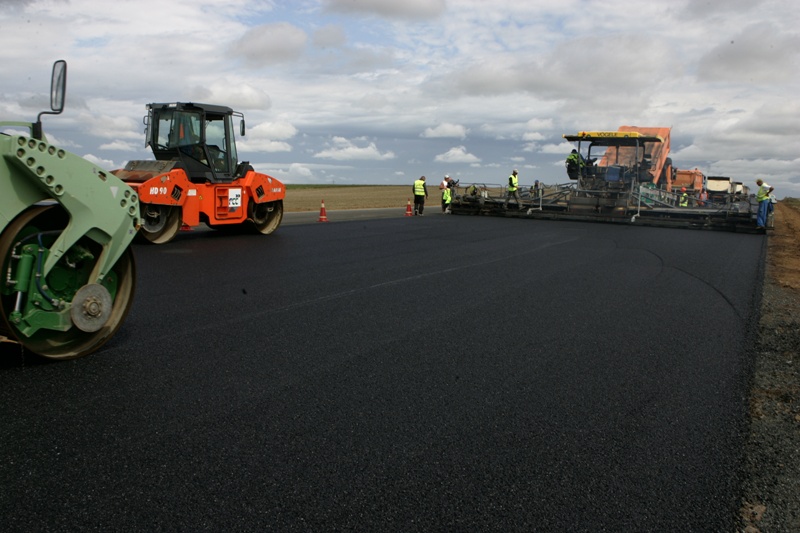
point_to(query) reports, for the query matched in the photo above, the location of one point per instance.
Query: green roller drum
(68, 274)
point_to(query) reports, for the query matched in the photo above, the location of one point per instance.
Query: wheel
(97, 310)
(265, 217)
(160, 223)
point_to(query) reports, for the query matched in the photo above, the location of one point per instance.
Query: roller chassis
(196, 176)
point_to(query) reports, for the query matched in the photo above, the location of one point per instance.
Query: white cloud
(561, 148)
(239, 94)
(533, 136)
(539, 124)
(270, 43)
(457, 154)
(119, 145)
(342, 149)
(330, 36)
(411, 9)
(446, 130)
(106, 164)
(269, 136)
(374, 101)
(402, 80)
(272, 130)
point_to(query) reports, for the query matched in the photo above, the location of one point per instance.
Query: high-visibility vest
(419, 188)
(684, 200)
(763, 193)
(575, 159)
(446, 196)
(512, 183)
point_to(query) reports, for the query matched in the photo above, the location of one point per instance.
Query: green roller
(68, 274)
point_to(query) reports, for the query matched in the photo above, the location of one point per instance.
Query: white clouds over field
(380, 91)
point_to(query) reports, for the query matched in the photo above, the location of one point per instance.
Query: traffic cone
(186, 227)
(323, 216)
(409, 212)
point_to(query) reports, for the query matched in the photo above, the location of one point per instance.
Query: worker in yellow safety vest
(420, 193)
(762, 196)
(446, 199)
(576, 165)
(684, 198)
(513, 185)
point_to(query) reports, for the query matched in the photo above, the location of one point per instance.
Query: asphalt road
(443, 373)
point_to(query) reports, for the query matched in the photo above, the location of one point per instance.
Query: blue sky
(383, 91)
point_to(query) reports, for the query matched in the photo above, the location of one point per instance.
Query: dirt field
(771, 472)
(309, 198)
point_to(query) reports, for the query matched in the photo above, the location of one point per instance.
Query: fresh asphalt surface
(437, 373)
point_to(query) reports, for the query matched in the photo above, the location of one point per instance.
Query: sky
(384, 91)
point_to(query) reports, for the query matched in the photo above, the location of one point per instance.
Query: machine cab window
(200, 136)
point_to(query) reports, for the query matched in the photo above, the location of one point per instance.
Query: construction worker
(420, 193)
(575, 165)
(762, 196)
(446, 199)
(703, 197)
(452, 184)
(513, 184)
(684, 198)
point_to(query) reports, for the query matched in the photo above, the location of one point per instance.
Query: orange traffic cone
(323, 216)
(409, 213)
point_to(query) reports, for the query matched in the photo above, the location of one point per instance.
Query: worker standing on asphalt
(512, 190)
(446, 199)
(420, 193)
(762, 196)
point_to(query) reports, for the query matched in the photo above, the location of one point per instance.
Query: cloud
(533, 136)
(761, 53)
(445, 130)
(373, 101)
(107, 164)
(539, 124)
(457, 154)
(117, 126)
(406, 9)
(330, 36)
(273, 130)
(342, 149)
(561, 148)
(404, 81)
(119, 145)
(268, 137)
(236, 93)
(270, 43)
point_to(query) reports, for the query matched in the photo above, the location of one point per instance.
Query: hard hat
(447, 175)
(683, 189)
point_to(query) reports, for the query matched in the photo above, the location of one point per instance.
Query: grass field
(309, 197)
